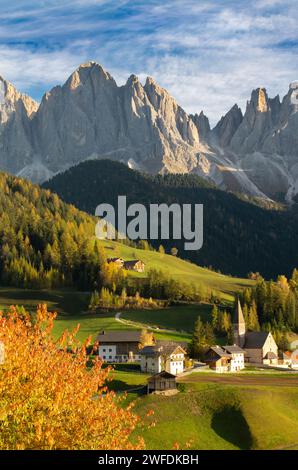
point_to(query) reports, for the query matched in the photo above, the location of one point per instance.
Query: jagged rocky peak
(10, 97)
(85, 72)
(227, 126)
(158, 96)
(203, 125)
(91, 117)
(260, 100)
(134, 86)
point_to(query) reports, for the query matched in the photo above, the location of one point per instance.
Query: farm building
(120, 345)
(164, 355)
(161, 382)
(134, 265)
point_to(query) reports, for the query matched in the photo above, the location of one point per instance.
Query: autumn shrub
(49, 399)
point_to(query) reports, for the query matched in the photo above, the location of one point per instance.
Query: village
(169, 360)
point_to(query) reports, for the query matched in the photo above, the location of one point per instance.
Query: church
(259, 346)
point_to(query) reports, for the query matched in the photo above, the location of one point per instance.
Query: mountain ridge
(91, 117)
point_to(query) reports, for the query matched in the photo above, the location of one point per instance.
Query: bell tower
(238, 326)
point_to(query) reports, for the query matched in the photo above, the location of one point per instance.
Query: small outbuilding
(134, 265)
(161, 382)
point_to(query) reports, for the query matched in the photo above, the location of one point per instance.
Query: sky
(207, 54)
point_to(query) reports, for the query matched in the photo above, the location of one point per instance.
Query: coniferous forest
(44, 242)
(240, 234)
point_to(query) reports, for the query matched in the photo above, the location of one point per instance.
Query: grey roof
(133, 262)
(119, 336)
(163, 374)
(255, 339)
(233, 349)
(152, 351)
(219, 351)
(161, 347)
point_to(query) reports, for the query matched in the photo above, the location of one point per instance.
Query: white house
(225, 358)
(237, 357)
(163, 356)
(119, 345)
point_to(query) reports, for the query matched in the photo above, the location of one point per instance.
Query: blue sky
(208, 54)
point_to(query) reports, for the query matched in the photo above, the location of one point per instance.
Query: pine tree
(214, 317)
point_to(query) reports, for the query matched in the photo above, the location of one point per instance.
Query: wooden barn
(161, 382)
(134, 265)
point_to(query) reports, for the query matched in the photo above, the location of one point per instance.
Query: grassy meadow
(181, 318)
(215, 417)
(72, 306)
(185, 271)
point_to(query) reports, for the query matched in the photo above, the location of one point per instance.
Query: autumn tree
(48, 398)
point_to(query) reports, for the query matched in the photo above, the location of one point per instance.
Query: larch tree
(49, 399)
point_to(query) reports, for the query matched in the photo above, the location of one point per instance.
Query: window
(103, 357)
(110, 350)
(104, 350)
(110, 357)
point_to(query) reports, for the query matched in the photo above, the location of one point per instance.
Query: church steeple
(238, 325)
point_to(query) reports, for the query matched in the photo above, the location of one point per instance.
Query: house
(161, 382)
(218, 359)
(237, 357)
(119, 345)
(294, 345)
(118, 261)
(225, 358)
(294, 358)
(163, 356)
(285, 358)
(135, 265)
(259, 346)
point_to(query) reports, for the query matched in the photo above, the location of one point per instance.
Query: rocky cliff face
(91, 117)
(16, 112)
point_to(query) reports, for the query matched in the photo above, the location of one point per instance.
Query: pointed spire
(239, 328)
(238, 314)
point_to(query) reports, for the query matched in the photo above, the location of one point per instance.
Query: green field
(222, 417)
(61, 301)
(251, 410)
(258, 412)
(71, 308)
(181, 318)
(92, 324)
(179, 269)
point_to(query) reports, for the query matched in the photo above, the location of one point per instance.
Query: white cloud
(208, 54)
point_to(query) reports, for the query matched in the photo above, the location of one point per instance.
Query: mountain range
(91, 117)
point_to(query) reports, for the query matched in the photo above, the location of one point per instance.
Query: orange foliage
(48, 398)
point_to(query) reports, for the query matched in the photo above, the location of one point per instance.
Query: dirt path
(201, 377)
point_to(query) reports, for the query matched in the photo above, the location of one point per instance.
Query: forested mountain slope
(239, 236)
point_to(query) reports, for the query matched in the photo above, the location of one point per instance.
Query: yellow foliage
(48, 397)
